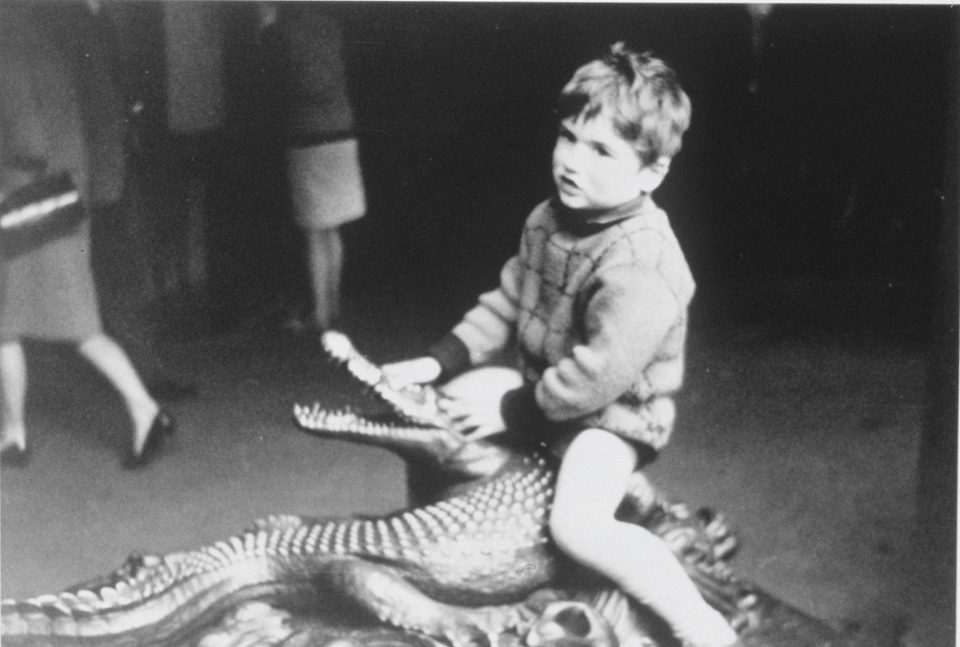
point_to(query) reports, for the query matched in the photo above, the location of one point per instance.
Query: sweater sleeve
(452, 355)
(491, 325)
(629, 312)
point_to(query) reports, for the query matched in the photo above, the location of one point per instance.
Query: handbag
(43, 210)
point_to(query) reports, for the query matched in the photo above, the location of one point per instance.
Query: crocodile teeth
(322, 420)
(340, 348)
(337, 344)
(108, 595)
(57, 608)
(44, 600)
(75, 603)
(124, 591)
(89, 598)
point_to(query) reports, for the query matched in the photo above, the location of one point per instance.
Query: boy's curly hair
(640, 94)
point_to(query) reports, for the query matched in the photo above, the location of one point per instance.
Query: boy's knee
(572, 533)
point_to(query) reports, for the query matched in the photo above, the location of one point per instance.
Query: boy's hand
(475, 416)
(412, 371)
(473, 400)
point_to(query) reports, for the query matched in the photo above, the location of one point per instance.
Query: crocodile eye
(574, 621)
(570, 624)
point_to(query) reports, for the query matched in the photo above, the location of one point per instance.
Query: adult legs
(592, 481)
(325, 263)
(13, 385)
(111, 360)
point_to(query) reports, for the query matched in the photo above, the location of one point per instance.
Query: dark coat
(49, 292)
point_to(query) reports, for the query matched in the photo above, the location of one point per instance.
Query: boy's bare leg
(592, 480)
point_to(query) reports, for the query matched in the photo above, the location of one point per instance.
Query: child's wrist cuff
(452, 355)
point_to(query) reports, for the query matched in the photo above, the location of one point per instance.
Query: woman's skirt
(48, 293)
(326, 184)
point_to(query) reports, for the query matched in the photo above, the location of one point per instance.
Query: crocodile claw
(487, 626)
(253, 623)
(568, 622)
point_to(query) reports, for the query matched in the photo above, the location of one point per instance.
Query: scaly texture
(472, 566)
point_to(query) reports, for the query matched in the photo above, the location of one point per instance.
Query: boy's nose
(572, 159)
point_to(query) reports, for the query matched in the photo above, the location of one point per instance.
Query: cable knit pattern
(599, 316)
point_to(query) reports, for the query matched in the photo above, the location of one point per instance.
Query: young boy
(596, 301)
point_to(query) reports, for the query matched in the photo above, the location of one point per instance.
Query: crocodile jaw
(413, 403)
(451, 452)
(432, 442)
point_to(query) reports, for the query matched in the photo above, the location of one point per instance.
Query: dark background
(817, 152)
(833, 167)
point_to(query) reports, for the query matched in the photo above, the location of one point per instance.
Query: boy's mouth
(566, 184)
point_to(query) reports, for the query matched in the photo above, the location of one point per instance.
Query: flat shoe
(162, 427)
(15, 456)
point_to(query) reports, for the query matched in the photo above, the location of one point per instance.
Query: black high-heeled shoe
(15, 456)
(162, 427)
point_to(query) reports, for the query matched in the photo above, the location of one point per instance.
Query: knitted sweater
(597, 304)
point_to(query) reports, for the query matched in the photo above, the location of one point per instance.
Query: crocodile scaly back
(463, 570)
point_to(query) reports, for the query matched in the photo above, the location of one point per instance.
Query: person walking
(48, 292)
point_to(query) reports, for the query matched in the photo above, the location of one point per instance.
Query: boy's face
(593, 166)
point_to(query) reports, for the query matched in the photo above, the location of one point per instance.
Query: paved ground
(805, 434)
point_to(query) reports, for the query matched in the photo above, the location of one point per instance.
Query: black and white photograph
(396, 323)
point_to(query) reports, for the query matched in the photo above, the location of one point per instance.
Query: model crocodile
(473, 565)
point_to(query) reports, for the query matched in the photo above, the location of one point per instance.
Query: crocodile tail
(158, 600)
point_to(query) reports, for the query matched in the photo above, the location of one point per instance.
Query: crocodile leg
(381, 590)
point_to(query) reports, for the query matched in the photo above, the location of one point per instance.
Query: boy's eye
(566, 134)
(602, 151)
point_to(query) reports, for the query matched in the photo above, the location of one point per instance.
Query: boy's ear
(652, 175)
